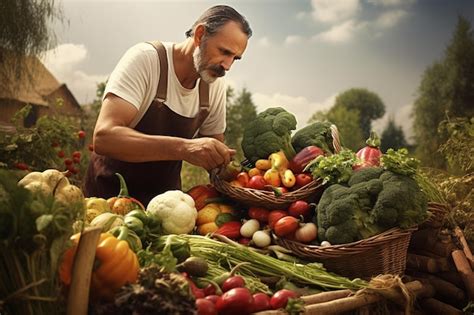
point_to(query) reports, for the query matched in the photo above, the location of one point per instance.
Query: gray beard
(198, 65)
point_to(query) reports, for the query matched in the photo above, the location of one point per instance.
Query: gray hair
(216, 17)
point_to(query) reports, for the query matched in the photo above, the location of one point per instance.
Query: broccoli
(270, 132)
(317, 134)
(373, 201)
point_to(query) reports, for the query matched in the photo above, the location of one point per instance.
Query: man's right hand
(208, 153)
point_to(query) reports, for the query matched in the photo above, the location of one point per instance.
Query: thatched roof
(34, 84)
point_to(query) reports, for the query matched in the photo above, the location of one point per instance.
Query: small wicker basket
(384, 253)
(267, 199)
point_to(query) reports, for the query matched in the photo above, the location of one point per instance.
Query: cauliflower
(175, 210)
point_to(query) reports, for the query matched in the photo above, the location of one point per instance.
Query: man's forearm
(126, 144)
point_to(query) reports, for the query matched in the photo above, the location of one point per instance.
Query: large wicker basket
(384, 253)
(267, 199)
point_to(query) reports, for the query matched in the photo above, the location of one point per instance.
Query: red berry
(76, 154)
(81, 134)
(67, 161)
(61, 154)
(76, 160)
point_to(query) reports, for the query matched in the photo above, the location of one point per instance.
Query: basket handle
(336, 143)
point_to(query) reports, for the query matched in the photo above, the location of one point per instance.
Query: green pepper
(124, 233)
(135, 224)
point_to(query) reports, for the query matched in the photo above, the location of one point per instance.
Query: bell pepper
(201, 194)
(128, 235)
(230, 229)
(116, 264)
(369, 155)
(208, 218)
(302, 158)
(123, 203)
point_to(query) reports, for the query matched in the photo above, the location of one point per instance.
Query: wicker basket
(267, 199)
(438, 215)
(384, 253)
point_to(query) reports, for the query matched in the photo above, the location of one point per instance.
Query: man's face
(216, 54)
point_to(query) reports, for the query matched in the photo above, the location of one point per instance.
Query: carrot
(465, 247)
(433, 306)
(325, 296)
(465, 270)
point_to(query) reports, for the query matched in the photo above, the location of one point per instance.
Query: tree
(393, 137)
(446, 89)
(368, 104)
(240, 111)
(347, 122)
(24, 31)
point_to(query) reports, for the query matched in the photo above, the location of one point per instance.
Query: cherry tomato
(280, 298)
(261, 302)
(274, 216)
(257, 182)
(67, 161)
(286, 225)
(233, 282)
(299, 208)
(205, 307)
(236, 301)
(76, 154)
(259, 214)
(81, 134)
(61, 154)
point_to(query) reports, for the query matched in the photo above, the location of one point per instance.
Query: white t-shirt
(135, 79)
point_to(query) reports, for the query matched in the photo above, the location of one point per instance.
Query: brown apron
(148, 179)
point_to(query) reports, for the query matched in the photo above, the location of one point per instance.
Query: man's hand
(208, 153)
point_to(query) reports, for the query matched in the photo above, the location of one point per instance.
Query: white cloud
(339, 33)
(391, 2)
(390, 18)
(293, 39)
(330, 11)
(64, 62)
(264, 42)
(300, 106)
(301, 15)
(402, 117)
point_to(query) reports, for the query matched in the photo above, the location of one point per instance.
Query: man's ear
(199, 32)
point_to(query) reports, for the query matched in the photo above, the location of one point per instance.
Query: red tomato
(261, 302)
(243, 178)
(76, 154)
(81, 134)
(259, 214)
(205, 307)
(236, 301)
(67, 161)
(76, 160)
(61, 154)
(233, 282)
(257, 182)
(274, 216)
(280, 298)
(286, 226)
(299, 208)
(302, 179)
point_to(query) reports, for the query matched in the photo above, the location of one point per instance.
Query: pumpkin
(123, 203)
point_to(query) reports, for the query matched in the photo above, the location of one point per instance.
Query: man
(163, 104)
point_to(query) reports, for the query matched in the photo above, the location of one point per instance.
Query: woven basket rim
(365, 244)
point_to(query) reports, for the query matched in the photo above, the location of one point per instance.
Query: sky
(302, 54)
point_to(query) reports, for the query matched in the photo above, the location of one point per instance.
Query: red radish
(236, 301)
(299, 208)
(286, 226)
(205, 307)
(274, 216)
(233, 282)
(213, 298)
(280, 298)
(261, 302)
(370, 154)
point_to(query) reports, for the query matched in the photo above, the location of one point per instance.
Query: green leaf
(43, 221)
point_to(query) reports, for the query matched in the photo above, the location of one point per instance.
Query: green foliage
(447, 88)
(458, 148)
(25, 30)
(41, 146)
(240, 112)
(334, 168)
(400, 162)
(347, 122)
(369, 105)
(268, 133)
(393, 137)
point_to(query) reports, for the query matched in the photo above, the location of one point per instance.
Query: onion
(261, 239)
(248, 228)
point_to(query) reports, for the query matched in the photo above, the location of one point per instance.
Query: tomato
(261, 302)
(280, 298)
(286, 226)
(76, 160)
(67, 161)
(274, 216)
(236, 301)
(81, 134)
(76, 154)
(243, 178)
(233, 282)
(257, 182)
(299, 208)
(61, 154)
(259, 214)
(205, 307)
(302, 179)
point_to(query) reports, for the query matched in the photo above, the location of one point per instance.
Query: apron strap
(203, 94)
(163, 80)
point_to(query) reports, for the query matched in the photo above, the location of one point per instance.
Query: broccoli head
(317, 134)
(374, 201)
(270, 132)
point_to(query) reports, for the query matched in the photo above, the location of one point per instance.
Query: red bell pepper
(230, 229)
(302, 158)
(201, 194)
(370, 154)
